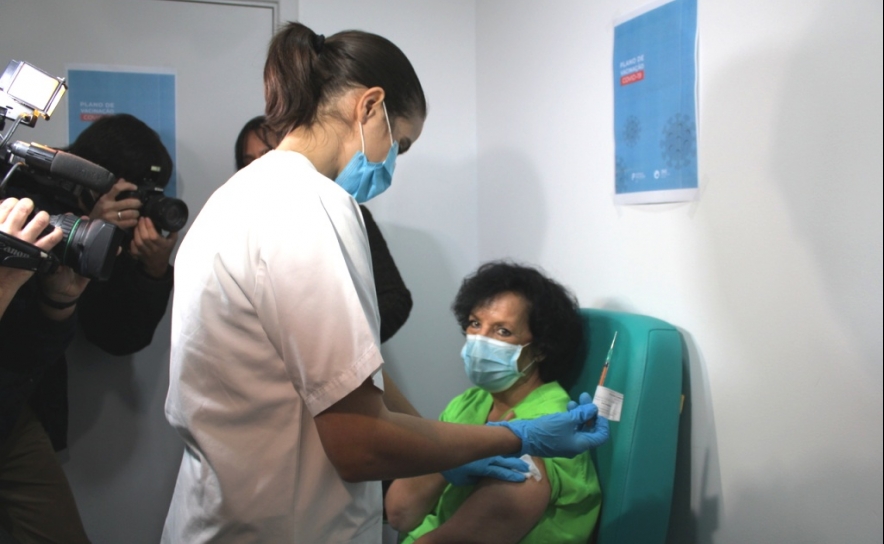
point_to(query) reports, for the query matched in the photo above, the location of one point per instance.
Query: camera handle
(15, 253)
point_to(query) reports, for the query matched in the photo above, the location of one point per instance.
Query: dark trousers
(36, 502)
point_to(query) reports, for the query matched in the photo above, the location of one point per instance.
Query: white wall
(774, 276)
(428, 216)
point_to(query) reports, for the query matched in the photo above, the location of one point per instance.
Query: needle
(607, 361)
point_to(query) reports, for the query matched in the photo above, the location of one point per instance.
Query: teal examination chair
(636, 467)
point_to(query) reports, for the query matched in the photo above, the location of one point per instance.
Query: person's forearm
(409, 500)
(400, 445)
(365, 441)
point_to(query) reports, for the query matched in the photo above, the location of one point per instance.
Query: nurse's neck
(326, 147)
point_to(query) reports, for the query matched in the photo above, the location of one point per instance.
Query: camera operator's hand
(151, 248)
(14, 221)
(59, 292)
(61, 288)
(122, 213)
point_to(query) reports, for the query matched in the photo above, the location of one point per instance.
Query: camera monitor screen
(33, 87)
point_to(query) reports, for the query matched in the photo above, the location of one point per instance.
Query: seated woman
(524, 339)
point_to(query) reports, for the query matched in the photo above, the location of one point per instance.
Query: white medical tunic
(274, 319)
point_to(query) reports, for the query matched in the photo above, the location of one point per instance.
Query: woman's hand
(122, 213)
(151, 248)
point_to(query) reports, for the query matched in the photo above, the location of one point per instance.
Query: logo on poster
(632, 70)
(90, 111)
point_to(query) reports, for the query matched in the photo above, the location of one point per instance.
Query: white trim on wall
(272, 5)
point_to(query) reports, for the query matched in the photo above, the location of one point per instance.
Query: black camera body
(167, 213)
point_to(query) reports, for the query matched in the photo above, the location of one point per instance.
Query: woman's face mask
(364, 179)
(491, 364)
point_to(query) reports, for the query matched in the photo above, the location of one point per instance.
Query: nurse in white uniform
(275, 382)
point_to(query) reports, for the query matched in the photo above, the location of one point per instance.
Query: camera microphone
(64, 165)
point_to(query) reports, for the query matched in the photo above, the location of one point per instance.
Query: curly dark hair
(554, 316)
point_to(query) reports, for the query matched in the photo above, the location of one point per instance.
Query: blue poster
(655, 105)
(148, 95)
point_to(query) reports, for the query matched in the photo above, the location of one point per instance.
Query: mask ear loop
(522, 374)
(362, 136)
(389, 128)
(524, 371)
(387, 117)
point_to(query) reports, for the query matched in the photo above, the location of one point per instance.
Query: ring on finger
(120, 216)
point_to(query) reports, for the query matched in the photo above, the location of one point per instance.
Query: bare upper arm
(496, 512)
(351, 421)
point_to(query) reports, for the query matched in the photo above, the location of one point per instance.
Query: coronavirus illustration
(677, 142)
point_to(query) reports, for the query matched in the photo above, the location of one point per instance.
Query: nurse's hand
(509, 469)
(562, 434)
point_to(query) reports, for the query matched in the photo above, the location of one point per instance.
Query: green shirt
(575, 496)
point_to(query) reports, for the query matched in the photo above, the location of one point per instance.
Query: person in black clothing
(119, 316)
(394, 299)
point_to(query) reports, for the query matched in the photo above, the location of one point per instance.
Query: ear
(536, 355)
(369, 103)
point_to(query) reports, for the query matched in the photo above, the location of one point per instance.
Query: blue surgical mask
(364, 179)
(491, 364)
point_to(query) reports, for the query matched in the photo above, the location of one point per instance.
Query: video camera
(89, 246)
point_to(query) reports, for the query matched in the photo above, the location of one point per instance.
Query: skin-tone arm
(62, 286)
(366, 441)
(394, 400)
(496, 512)
(409, 500)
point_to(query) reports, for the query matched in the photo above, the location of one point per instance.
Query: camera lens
(89, 246)
(167, 213)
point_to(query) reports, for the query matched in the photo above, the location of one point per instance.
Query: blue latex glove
(599, 425)
(508, 469)
(562, 434)
(584, 399)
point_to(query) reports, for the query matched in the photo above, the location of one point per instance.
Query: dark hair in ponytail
(304, 70)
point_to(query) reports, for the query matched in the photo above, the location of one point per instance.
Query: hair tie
(318, 42)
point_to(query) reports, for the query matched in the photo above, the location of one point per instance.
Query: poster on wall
(146, 93)
(655, 104)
